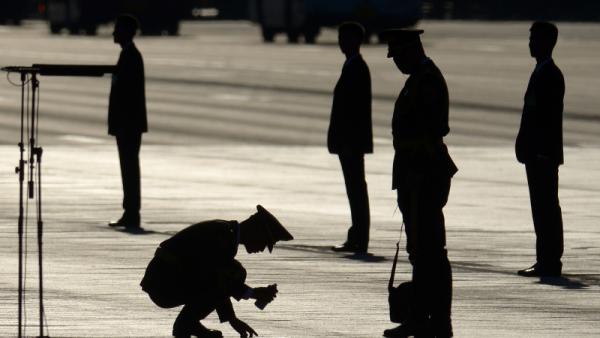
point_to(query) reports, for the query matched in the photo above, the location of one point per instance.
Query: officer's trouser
(421, 200)
(169, 285)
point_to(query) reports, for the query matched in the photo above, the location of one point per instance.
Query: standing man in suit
(127, 118)
(421, 177)
(197, 268)
(539, 146)
(350, 133)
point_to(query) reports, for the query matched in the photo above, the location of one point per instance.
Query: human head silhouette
(350, 37)
(542, 39)
(125, 28)
(405, 47)
(262, 230)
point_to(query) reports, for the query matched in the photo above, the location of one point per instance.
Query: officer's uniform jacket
(199, 254)
(419, 124)
(350, 127)
(127, 102)
(540, 134)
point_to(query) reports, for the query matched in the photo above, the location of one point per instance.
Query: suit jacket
(540, 133)
(199, 252)
(419, 124)
(127, 103)
(350, 127)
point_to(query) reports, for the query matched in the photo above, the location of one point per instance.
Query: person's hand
(265, 295)
(242, 328)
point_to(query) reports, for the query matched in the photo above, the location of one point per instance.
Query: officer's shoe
(197, 330)
(401, 331)
(349, 247)
(539, 271)
(127, 221)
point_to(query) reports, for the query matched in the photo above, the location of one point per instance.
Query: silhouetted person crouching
(196, 268)
(421, 176)
(127, 118)
(539, 146)
(350, 133)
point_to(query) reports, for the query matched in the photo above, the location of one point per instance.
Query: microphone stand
(20, 170)
(35, 157)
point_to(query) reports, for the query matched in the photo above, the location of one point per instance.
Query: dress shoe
(197, 330)
(537, 271)
(401, 331)
(346, 247)
(130, 222)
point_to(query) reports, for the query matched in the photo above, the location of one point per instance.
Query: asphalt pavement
(92, 272)
(235, 123)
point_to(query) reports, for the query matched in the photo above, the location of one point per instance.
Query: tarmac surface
(92, 272)
(235, 123)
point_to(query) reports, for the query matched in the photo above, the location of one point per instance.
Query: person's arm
(242, 328)
(227, 314)
(357, 103)
(263, 296)
(433, 102)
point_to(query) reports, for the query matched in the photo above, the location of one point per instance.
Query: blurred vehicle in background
(305, 18)
(554, 10)
(84, 16)
(219, 10)
(295, 18)
(12, 11)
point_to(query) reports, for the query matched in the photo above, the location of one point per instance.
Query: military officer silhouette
(422, 172)
(127, 118)
(197, 268)
(350, 134)
(539, 147)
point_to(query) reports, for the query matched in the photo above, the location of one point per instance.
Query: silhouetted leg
(188, 323)
(408, 193)
(421, 278)
(129, 150)
(432, 271)
(206, 295)
(353, 167)
(440, 287)
(441, 309)
(191, 314)
(542, 179)
(432, 280)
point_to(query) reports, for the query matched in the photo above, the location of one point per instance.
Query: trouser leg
(207, 295)
(353, 167)
(129, 150)
(421, 203)
(438, 272)
(432, 281)
(193, 313)
(432, 276)
(542, 180)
